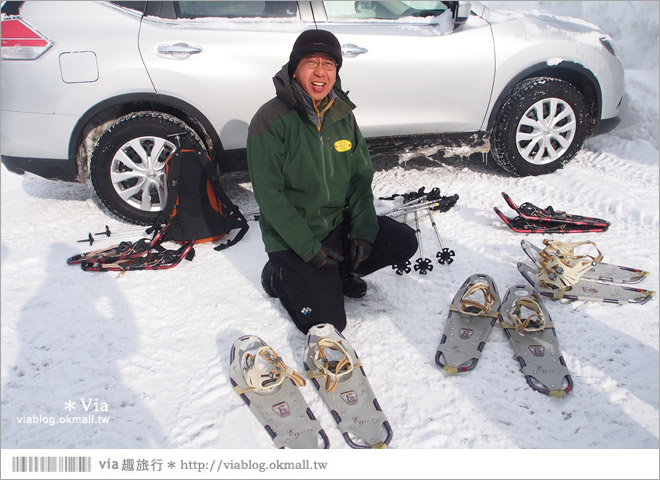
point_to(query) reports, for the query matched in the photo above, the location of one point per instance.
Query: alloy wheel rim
(138, 174)
(546, 131)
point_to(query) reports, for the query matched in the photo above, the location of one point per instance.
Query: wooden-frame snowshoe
(472, 314)
(529, 328)
(336, 371)
(271, 391)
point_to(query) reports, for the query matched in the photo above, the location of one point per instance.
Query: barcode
(51, 464)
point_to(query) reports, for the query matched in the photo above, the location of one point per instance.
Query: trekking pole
(445, 255)
(422, 264)
(107, 233)
(90, 239)
(408, 208)
(403, 267)
(90, 236)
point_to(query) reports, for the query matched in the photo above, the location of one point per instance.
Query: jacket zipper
(323, 160)
(325, 181)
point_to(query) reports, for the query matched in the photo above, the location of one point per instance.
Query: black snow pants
(313, 295)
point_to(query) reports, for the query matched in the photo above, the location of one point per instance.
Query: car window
(11, 8)
(389, 10)
(137, 6)
(236, 9)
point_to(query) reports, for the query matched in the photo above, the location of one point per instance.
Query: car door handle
(351, 50)
(178, 50)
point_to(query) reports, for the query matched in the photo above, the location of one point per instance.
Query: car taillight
(21, 41)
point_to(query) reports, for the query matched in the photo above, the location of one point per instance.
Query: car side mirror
(460, 12)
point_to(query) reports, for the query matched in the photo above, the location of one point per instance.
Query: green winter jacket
(307, 180)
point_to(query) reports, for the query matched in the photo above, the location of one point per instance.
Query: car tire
(127, 166)
(524, 144)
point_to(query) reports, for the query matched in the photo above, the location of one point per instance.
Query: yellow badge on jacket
(343, 145)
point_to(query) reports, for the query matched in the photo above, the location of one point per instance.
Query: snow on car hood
(536, 23)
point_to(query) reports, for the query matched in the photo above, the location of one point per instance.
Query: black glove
(326, 257)
(360, 251)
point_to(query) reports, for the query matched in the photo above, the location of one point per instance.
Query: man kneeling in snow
(311, 172)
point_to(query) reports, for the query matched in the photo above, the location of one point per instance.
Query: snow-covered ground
(150, 350)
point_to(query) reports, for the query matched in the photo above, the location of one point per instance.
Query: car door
(220, 57)
(407, 68)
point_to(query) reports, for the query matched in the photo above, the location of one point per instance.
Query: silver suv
(101, 91)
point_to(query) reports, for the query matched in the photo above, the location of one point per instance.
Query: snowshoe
(524, 225)
(529, 328)
(604, 272)
(587, 290)
(530, 211)
(336, 371)
(271, 391)
(155, 259)
(472, 314)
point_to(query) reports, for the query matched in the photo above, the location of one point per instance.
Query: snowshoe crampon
(271, 390)
(529, 328)
(337, 373)
(472, 314)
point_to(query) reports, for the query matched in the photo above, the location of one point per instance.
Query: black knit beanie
(314, 41)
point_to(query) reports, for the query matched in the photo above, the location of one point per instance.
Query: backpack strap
(229, 209)
(173, 167)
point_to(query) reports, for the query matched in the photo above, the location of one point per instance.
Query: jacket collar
(296, 98)
(316, 114)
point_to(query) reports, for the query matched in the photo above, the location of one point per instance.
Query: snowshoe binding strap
(566, 251)
(265, 370)
(332, 368)
(122, 250)
(560, 267)
(473, 307)
(526, 315)
(530, 209)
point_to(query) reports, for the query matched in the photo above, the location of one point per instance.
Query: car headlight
(607, 43)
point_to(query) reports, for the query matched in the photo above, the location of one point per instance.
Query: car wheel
(127, 166)
(541, 126)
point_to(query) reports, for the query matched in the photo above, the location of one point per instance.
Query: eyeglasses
(326, 64)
